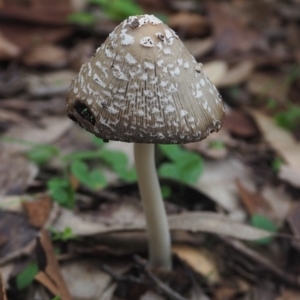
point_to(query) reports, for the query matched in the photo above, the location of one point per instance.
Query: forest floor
(71, 220)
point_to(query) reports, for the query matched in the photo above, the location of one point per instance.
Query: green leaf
(118, 161)
(166, 191)
(81, 18)
(276, 164)
(98, 142)
(62, 191)
(289, 119)
(272, 103)
(118, 9)
(185, 166)
(82, 155)
(216, 144)
(42, 154)
(172, 152)
(57, 297)
(26, 277)
(164, 18)
(262, 222)
(169, 170)
(190, 167)
(64, 236)
(93, 179)
(128, 175)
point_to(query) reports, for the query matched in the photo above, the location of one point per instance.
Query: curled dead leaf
(190, 24)
(38, 210)
(216, 71)
(237, 74)
(200, 260)
(284, 144)
(199, 47)
(239, 124)
(46, 55)
(83, 225)
(51, 275)
(8, 49)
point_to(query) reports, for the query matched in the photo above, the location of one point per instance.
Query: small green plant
(262, 222)
(57, 297)
(62, 191)
(42, 154)
(82, 18)
(166, 191)
(118, 10)
(94, 179)
(184, 166)
(118, 162)
(77, 165)
(26, 277)
(63, 236)
(276, 164)
(216, 144)
(289, 118)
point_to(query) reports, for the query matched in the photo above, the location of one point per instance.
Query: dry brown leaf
(206, 147)
(200, 260)
(38, 210)
(190, 24)
(280, 202)
(218, 182)
(199, 47)
(84, 225)
(2, 289)
(284, 144)
(24, 236)
(290, 174)
(237, 74)
(80, 54)
(50, 83)
(22, 34)
(231, 34)
(16, 173)
(43, 279)
(289, 295)
(50, 130)
(46, 55)
(8, 50)
(253, 201)
(216, 71)
(86, 279)
(240, 124)
(215, 223)
(268, 85)
(8, 116)
(231, 288)
(52, 269)
(151, 295)
(42, 11)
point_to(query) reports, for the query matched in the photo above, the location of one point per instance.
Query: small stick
(165, 289)
(121, 278)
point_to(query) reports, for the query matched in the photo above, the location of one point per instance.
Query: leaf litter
(234, 223)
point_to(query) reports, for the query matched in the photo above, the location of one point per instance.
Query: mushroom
(143, 86)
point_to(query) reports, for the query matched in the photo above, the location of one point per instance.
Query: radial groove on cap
(144, 86)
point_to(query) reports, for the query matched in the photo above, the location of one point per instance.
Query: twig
(121, 278)
(165, 289)
(267, 264)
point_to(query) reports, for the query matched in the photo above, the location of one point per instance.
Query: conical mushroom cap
(144, 86)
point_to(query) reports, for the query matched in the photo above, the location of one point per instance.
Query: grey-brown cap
(142, 85)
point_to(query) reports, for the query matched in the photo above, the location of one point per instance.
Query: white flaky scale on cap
(144, 86)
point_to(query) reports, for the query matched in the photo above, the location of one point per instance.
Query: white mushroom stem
(154, 209)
